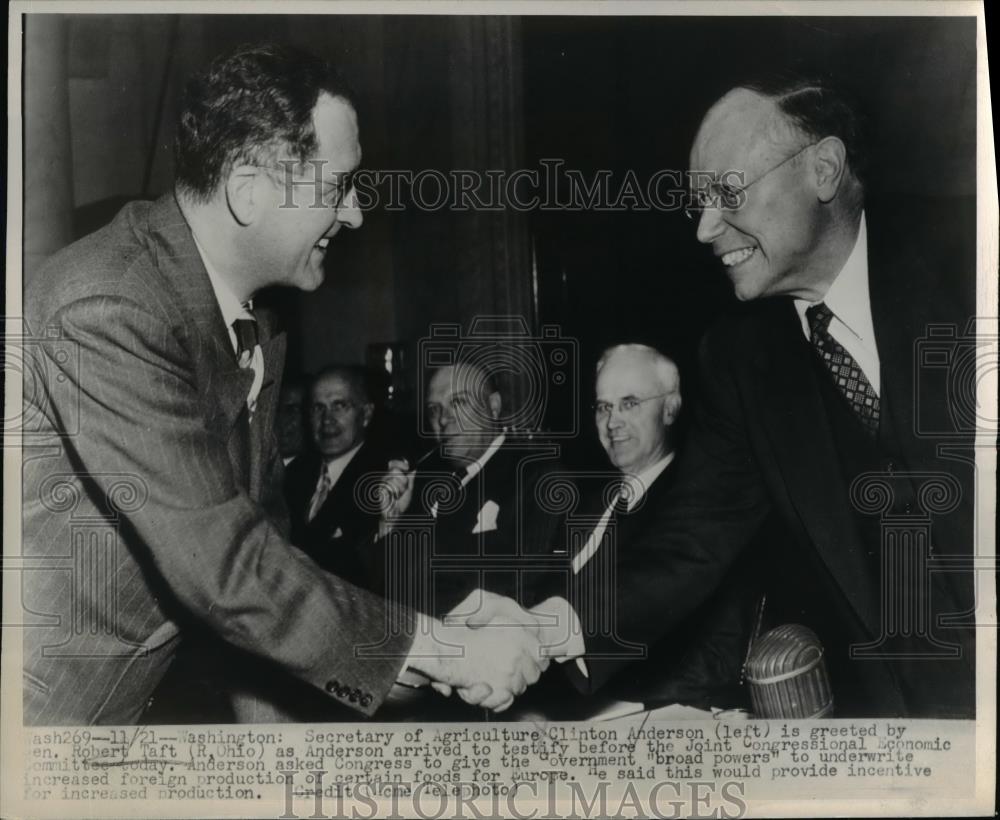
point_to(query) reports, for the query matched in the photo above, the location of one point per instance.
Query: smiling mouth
(737, 257)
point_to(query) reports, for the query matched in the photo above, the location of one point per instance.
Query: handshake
(489, 649)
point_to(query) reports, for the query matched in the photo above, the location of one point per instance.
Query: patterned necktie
(322, 491)
(847, 374)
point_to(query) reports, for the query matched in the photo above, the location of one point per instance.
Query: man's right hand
(397, 490)
(489, 666)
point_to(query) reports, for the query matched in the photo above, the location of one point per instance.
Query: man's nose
(349, 211)
(615, 420)
(710, 225)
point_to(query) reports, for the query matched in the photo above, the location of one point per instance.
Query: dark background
(102, 93)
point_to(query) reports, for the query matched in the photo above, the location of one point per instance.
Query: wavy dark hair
(246, 107)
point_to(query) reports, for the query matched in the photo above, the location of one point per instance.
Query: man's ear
(366, 413)
(496, 405)
(671, 409)
(829, 166)
(242, 193)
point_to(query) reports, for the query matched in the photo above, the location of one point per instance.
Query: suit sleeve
(715, 506)
(143, 411)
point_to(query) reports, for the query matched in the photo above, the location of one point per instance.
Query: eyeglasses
(726, 197)
(626, 406)
(337, 407)
(333, 191)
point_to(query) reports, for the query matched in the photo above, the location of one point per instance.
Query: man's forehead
(625, 375)
(451, 380)
(742, 128)
(331, 385)
(336, 125)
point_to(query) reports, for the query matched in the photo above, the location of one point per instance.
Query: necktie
(248, 355)
(847, 374)
(618, 506)
(246, 340)
(319, 496)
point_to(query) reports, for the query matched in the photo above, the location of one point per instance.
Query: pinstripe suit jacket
(149, 500)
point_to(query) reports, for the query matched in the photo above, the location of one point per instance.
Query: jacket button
(890, 467)
(331, 686)
(353, 696)
(366, 700)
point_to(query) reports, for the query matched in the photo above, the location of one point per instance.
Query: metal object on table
(787, 675)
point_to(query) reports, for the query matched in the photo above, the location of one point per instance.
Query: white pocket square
(338, 533)
(487, 521)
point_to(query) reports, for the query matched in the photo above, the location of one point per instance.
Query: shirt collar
(848, 297)
(639, 483)
(335, 466)
(230, 306)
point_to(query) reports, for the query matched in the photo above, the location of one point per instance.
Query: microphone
(787, 675)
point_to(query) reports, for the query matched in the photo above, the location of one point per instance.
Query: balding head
(780, 204)
(463, 409)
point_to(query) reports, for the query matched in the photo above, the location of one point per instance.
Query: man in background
(479, 492)
(638, 401)
(329, 519)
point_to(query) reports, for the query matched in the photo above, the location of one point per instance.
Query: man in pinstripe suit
(152, 476)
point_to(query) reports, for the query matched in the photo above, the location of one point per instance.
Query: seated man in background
(328, 521)
(476, 494)
(638, 399)
(291, 423)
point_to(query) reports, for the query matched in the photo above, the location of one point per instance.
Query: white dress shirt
(849, 301)
(334, 468)
(476, 467)
(635, 489)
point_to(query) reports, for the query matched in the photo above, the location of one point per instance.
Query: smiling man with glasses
(634, 426)
(809, 394)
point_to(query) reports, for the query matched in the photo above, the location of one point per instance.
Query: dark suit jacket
(343, 525)
(762, 443)
(506, 556)
(699, 663)
(150, 505)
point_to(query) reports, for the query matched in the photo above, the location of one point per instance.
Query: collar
(639, 483)
(476, 467)
(848, 296)
(231, 307)
(335, 466)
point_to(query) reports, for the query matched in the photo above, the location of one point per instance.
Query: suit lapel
(795, 423)
(179, 260)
